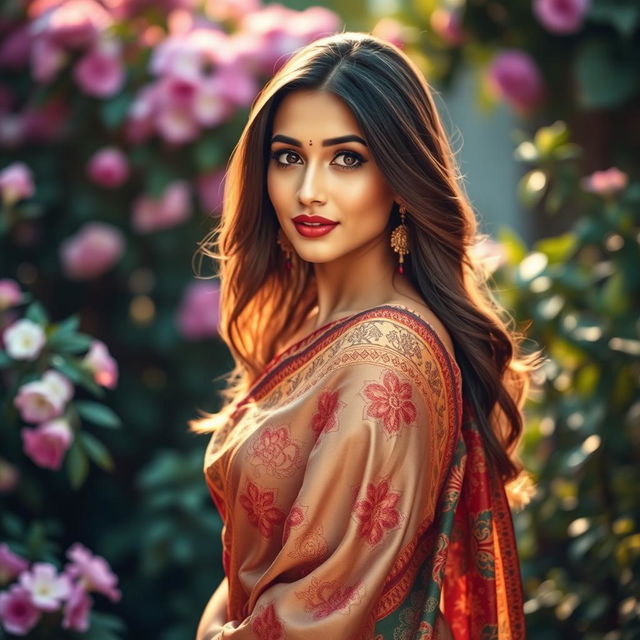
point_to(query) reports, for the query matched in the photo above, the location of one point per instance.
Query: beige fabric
(329, 473)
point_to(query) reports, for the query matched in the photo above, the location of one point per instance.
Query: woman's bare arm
(215, 613)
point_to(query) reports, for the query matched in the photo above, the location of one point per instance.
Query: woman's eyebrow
(325, 143)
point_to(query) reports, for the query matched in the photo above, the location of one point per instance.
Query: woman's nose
(312, 187)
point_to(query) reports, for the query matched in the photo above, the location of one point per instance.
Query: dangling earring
(400, 240)
(286, 247)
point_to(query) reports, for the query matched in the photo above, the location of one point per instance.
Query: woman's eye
(352, 160)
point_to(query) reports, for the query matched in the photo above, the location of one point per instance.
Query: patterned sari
(355, 495)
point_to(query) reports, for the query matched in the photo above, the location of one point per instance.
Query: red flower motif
(325, 418)
(325, 597)
(295, 518)
(390, 401)
(275, 449)
(260, 508)
(266, 625)
(377, 512)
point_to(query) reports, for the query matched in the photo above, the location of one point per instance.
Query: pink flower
(47, 59)
(605, 183)
(24, 339)
(77, 609)
(236, 85)
(197, 315)
(561, 16)
(172, 208)
(46, 587)
(14, 48)
(515, 76)
(10, 564)
(94, 249)
(210, 188)
(47, 444)
(108, 167)
(45, 398)
(141, 117)
(211, 105)
(73, 23)
(222, 10)
(99, 361)
(17, 612)
(10, 293)
(94, 571)
(100, 72)
(447, 25)
(16, 183)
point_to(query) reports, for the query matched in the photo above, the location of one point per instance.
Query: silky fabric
(356, 498)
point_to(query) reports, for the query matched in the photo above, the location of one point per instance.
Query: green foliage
(580, 295)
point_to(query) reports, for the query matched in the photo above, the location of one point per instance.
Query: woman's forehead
(314, 114)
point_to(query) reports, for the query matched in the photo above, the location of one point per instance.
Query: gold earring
(400, 240)
(287, 248)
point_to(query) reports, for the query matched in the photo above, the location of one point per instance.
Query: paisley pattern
(356, 496)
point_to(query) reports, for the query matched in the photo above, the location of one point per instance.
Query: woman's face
(336, 180)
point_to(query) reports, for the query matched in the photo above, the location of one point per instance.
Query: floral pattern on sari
(380, 521)
(390, 401)
(377, 512)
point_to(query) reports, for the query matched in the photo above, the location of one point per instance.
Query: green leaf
(76, 372)
(66, 327)
(605, 80)
(532, 187)
(77, 465)
(96, 450)
(70, 343)
(514, 247)
(207, 153)
(114, 111)
(622, 14)
(5, 360)
(557, 248)
(97, 413)
(36, 313)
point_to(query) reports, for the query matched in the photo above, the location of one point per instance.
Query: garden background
(116, 120)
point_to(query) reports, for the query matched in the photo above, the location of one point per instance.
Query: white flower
(24, 339)
(58, 385)
(47, 588)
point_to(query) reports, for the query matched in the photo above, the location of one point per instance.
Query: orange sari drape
(355, 495)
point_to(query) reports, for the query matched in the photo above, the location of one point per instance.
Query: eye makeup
(361, 161)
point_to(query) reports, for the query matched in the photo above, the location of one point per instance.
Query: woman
(360, 461)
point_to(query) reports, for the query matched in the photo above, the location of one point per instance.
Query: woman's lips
(313, 229)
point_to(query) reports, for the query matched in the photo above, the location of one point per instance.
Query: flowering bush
(579, 539)
(44, 396)
(116, 121)
(42, 599)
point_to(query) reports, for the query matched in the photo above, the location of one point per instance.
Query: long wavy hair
(261, 299)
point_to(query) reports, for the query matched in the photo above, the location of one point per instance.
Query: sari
(356, 498)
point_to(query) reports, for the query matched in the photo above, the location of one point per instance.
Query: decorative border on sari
(284, 369)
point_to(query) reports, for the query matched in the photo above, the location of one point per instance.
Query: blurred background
(116, 120)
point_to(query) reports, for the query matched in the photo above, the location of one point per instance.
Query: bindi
(310, 143)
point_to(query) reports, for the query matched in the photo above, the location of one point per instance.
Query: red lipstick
(313, 226)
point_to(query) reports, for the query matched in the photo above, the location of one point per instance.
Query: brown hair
(394, 107)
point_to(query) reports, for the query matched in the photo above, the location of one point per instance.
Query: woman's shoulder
(390, 337)
(398, 325)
